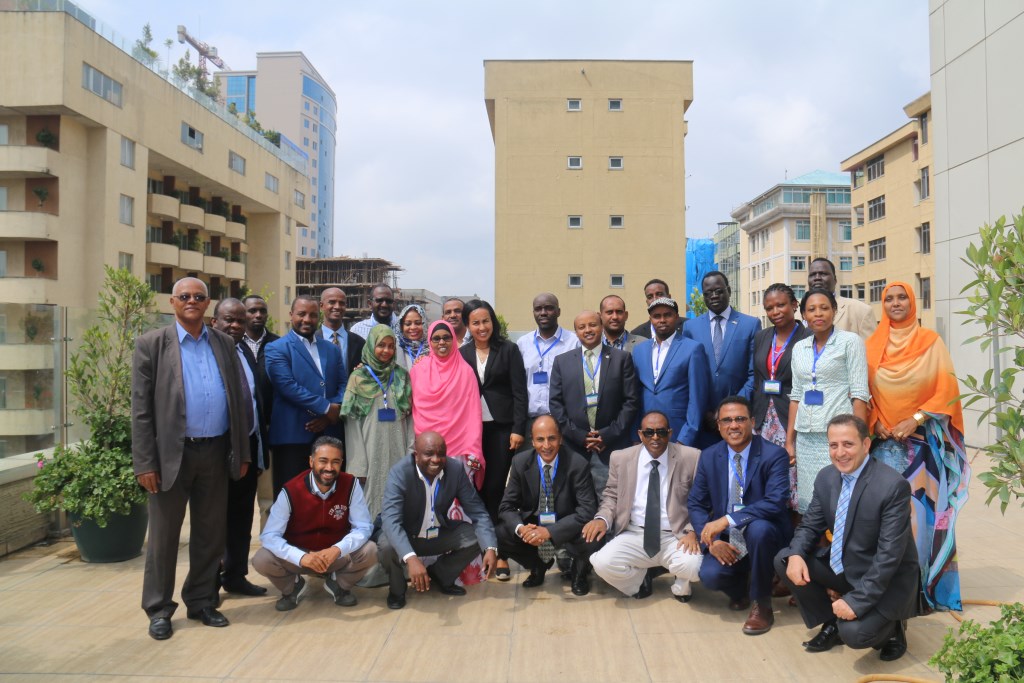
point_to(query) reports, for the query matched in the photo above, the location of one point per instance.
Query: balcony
(213, 265)
(26, 357)
(234, 270)
(162, 254)
(191, 261)
(235, 231)
(28, 225)
(215, 224)
(26, 422)
(29, 290)
(164, 206)
(192, 215)
(19, 161)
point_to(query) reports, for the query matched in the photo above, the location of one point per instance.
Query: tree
(697, 304)
(142, 51)
(190, 74)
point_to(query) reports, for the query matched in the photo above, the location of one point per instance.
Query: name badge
(547, 518)
(386, 415)
(772, 386)
(432, 533)
(540, 377)
(813, 397)
(592, 400)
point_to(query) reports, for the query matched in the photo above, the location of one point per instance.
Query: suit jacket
(504, 384)
(158, 403)
(617, 500)
(405, 500)
(617, 399)
(765, 487)
(262, 408)
(734, 373)
(575, 500)
(879, 554)
(759, 400)
(264, 387)
(682, 389)
(354, 348)
(301, 392)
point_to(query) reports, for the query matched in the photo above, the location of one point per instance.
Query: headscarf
(363, 389)
(406, 345)
(446, 399)
(909, 369)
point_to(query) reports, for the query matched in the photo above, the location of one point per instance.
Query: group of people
(408, 451)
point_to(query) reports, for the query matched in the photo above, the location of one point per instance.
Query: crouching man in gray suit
(872, 560)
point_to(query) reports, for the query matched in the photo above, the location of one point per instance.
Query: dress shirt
(726, 314)
(429, 514)
(619, 343)
(254, 344)
(273, 539)
(255, 414)
(540, 487)
(329, 335)
(643, 474)
(310, 346)
(363, 327)
(744, 459)
(597, 365)
(842, 375)
(563, 341)
(206, 402)
(659, 353)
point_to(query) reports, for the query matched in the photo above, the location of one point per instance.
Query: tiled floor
(61, 619)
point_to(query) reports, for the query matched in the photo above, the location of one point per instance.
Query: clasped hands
(722, 551)
(321, 560)
(319, 424)
(534, 534)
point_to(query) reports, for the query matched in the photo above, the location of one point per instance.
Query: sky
(780, 89)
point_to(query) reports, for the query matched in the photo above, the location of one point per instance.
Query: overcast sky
(779, 87)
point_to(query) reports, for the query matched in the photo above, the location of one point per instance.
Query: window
(287, 226)
(305, 142)
(288, 295)
(305, 232)
(845, 231)
(101, 84)
(127, 152)
(573, 104)
(316, 110)
(614, 163)
(3, 198)
(846, 263)
(236, 163)
(803, 229)
(837, 195)
(615, 222)
(846, 291)
(155, 234)
(859, 212)
(575, 221)
(614, 104)
(287, 260)
(617, 281)
(191, 137)
(876, 208)
(300, 200)
(798, 263)
(305, 123)
(924, 238)
(156, 282)
(799, 291)
(876, 287)
(924, 189)
(922, 121)
(857, 177)
(860, 291)
(876, 167)
(924, 286)
(576, 280)
(764, 205)
(154, 186)
(876, 249)
(4, 134)
(305, 105)
(125, 261)
(270, 182)
(127, 210)
(314, 145)
(575, 162)
(303, 251)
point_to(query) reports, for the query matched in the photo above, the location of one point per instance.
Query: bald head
(429, 452)
(588, 328)
(547, 439)
(332, 305)
(545, 313)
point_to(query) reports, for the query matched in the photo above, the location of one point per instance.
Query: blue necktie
(717, 337)
(839, 528)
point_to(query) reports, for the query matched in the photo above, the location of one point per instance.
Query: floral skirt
(773, 430)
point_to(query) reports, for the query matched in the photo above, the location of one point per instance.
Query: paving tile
(329, 655)
(594, 656)
(435, 657)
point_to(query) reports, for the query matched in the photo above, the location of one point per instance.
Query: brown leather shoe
(760, 619)
(739, 605)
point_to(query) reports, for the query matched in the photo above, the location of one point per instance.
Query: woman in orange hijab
(919, 426)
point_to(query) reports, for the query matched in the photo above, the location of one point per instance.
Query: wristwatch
(920, 418)
(492, 548)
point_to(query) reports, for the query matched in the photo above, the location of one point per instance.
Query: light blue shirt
(329, 335)
(744, 458)
(206, 401)
(726, 314)
(563, 341)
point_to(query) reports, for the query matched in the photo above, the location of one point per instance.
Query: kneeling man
(319, 525)
(644, 505)
(871, 562)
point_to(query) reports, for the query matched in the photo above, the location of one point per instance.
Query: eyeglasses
(742, 419)
(443, 339)
(198, 298)
(660, 433)
(383, 300)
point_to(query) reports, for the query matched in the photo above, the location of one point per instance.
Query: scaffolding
(355, 276)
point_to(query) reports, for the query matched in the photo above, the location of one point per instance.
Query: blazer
(617, 500)
(300, 391)
(617, 399)
(879, 554)
(405, 500)
(264, 387)
(354, 349)
(682, 389)
(158, 403)
(504, 384)
(759, 399)
(734, 372)
(765, 487)
(575, 501)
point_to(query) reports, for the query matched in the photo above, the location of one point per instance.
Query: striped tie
(839, 528)
(717, 337)
(736, 537)
(589, 388)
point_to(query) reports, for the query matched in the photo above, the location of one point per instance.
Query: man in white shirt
(382, 304)
(333, 304)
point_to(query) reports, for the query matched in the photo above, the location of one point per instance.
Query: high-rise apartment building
(589, 181)
(893, 212)
(287, 94)
(727, 257)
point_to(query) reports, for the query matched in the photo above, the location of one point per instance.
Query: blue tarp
(700, 260)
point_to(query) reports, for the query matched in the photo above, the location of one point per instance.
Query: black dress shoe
(646, 588)
(580, 577)
(396, 601)
(450, 589)
(896, 646)
(536, 577)
(160, 628)
(683, 598)
(210, 617)
(242, 586)
(826, 639)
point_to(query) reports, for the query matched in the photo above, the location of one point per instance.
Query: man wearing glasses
(738, 506)
(382, 304)
(644, 505)
(190, 433)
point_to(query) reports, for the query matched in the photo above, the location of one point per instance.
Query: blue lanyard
(433, 500)
(419, 352)
(597, 368)
(536, 343)
(776, 357)
(554, 473)
(736, 475)
(377, 380)
(817, 355)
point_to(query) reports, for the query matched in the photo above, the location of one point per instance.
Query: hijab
(363, 389)
(405, 345)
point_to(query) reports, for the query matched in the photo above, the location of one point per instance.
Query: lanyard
(597, 369)
(419, 352)
(379, 384)
(817, 355)
(433, 499)
(554, 473)
(536, 343)
(736, 476)
(776, 358)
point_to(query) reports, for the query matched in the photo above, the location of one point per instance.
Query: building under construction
(355, 276)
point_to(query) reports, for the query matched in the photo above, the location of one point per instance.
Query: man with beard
(613, 320)
(451, 313)
(333, 307)
(382, 305)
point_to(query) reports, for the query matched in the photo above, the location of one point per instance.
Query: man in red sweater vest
(319, 525)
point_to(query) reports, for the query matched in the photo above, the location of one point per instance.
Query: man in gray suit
(871, 562)
(191, 421)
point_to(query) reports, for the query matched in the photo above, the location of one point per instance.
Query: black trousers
(498, 459)
(241, 510)
(456, 545)
(515, 548)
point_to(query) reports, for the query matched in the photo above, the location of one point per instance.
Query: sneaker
(341, 596)
(291, 601)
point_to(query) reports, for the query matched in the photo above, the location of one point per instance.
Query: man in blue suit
(728, 339)
(673, 373)
(737, 507)
(309, 382)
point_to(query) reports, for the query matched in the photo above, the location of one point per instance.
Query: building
(355, 276)
(727, 256)
(700, 260)
(783, 229)
(287, 94)
(589, 180)
(893, 212)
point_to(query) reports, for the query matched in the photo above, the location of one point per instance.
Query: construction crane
(205, 51)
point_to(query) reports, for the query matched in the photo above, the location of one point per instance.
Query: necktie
(716, 337)
(839, 528)
(546, 550)
(652, 516)
(736, 498)
(247, 396)
(588, 387)
(335, 340)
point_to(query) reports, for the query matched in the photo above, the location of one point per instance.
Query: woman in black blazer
(502, 376)
(773, 377)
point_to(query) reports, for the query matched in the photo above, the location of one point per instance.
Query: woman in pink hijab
(446, 400)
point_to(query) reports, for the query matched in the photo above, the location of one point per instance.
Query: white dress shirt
(429, 513)
(637, 515)
(310, 346)
(659, 353)
(563, 341)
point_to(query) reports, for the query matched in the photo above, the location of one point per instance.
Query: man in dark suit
(738, 508)
(728, 339)
(418, 518)
(673, 373)
(594, 397)
(333, 306)
(190, 433)
(309, 384)
(229, 318)
(256, 338)
(548, 499)
(871, 562)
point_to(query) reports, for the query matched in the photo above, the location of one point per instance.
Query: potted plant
(93, 480)
(46, 138)
(41, 194)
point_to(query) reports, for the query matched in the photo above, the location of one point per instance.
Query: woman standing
(919, 426)
(773, 376)
(503, 400)
(409, 332)
(830, 377)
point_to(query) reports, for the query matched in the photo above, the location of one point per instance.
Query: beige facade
(783, 229)
(893, 212)
(589, 181)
